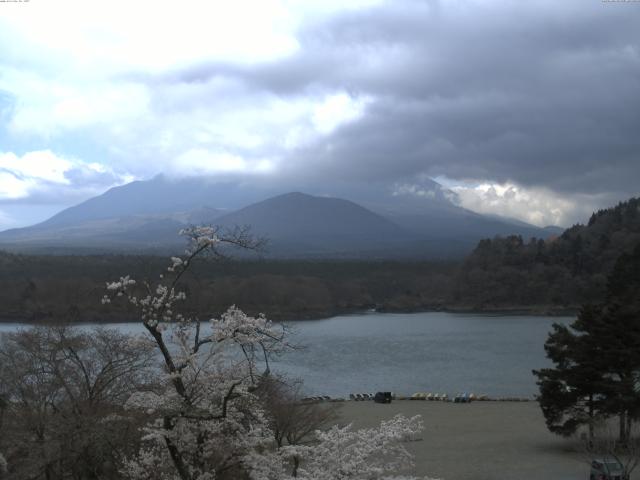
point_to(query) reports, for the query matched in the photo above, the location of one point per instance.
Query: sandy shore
(479, 441)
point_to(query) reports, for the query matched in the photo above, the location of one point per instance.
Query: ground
(480, 441)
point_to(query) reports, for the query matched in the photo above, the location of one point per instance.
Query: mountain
(458, 230)
(295, 224)
(455, 231)
(141, 216)
(430, 211)
(158, 196)
(298, 224)
(145, 216)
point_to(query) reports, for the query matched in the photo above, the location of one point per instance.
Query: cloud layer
(43, 177)
(527, 109)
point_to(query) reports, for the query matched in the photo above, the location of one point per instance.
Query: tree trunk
(591, 426)
(623, 428)
(296, 464)
(175, 454)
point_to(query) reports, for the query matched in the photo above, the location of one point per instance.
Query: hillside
(565, 271)
(300, 225)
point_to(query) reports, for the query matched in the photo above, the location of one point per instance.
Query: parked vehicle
(382, 397)
(607, 469)
(461, 398)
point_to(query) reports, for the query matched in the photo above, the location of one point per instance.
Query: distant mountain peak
(292, 195)
(148, 214)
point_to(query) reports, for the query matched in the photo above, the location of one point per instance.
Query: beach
(479, 440)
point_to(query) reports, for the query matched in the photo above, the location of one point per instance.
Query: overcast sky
(523, 108)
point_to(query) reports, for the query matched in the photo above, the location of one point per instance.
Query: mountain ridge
(146, 215)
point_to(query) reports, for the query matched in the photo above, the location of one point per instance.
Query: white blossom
(121, 284)
(372, 453)
(175, 263)
(147, 401)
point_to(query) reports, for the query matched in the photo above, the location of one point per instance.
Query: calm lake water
(406, 353)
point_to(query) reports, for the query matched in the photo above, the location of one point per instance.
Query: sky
(524, 109)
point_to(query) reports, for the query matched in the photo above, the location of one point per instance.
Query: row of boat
(360, 396)
(435, 397)
(441, 397)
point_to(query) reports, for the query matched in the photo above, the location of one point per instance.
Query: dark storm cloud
(541, 93)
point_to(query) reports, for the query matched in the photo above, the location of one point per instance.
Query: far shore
(542, 311)
(479, 440)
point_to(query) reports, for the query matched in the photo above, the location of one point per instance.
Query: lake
(419, 352)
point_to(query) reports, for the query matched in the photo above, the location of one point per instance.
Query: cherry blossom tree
(345, 453)
(208, 421)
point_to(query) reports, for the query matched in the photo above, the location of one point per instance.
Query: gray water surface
(405, 353)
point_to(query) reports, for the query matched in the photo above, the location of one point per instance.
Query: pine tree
(597, 359)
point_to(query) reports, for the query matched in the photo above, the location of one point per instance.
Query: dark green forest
(553, 275)
(556, 273)
(55, 288)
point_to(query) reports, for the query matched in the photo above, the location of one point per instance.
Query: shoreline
(542, 311)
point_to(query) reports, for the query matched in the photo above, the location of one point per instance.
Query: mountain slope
(564, 271)
(430, 211)
(158, 196)
(456, 231)
(298, 224)
(145, 216)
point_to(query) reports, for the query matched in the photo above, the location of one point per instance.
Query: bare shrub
(63, 391)
(606, 445)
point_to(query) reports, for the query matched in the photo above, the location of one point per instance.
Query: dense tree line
(54, 288)
(560, 272)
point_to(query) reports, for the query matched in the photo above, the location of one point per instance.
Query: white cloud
(77, 67)
(538, 206)
(106, 37)
(100, 39)
(336, 110)
(181, 134)
(199, 161)
(413, 190)
(44, 177)
(40, 165)
(47, 107)
(12, 187)
(153, 128)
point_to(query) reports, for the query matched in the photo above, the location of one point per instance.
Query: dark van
(382, 397)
